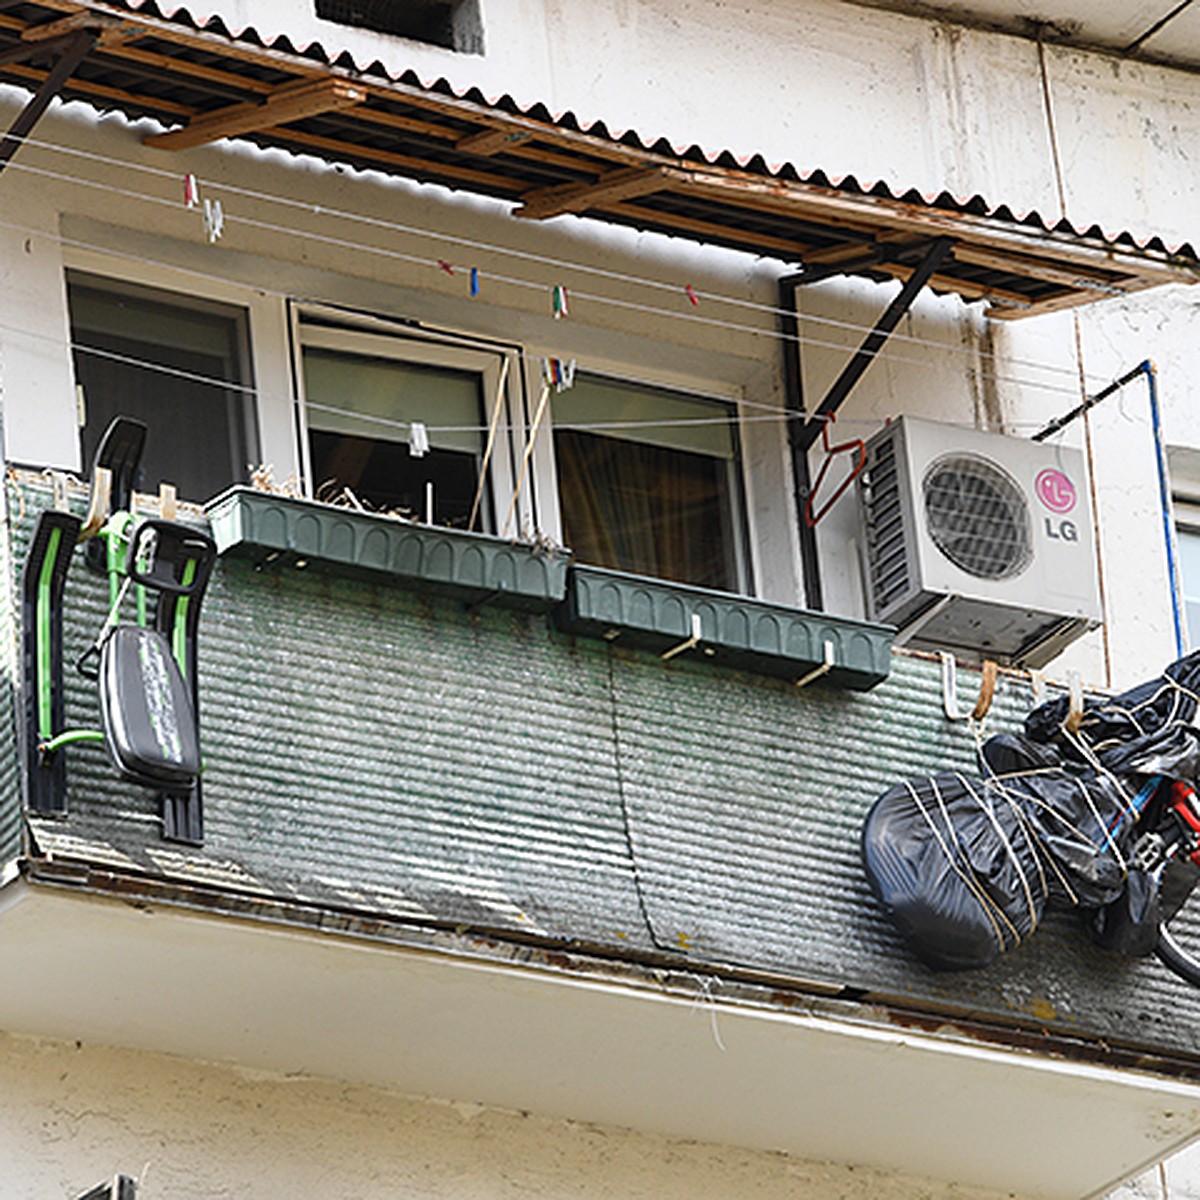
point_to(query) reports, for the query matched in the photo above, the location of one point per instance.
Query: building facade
(518, 356)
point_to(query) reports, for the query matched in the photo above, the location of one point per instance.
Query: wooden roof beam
(1064, 276)
(877, 216)
(614, 186)
(111, 30)
(293, 102)
(487, 142)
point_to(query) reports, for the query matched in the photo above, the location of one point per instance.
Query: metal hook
(827, 665)
(689, 644)
(987, 689)
(1075, 704)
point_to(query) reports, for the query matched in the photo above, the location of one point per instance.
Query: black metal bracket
(937, 253)
(804, 428)
(179, 614)
(72, 49)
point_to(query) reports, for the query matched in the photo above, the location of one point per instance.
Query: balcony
(453, 848)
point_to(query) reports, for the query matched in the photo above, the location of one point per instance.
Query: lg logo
(1055, 490)
(1058, 494)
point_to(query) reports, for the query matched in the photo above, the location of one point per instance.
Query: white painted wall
(74, 1115)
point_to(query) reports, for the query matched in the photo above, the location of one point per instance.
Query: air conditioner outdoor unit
(978, 543)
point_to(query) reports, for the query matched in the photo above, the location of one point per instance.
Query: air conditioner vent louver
(885, 527)
(977, 543)
(977, 516)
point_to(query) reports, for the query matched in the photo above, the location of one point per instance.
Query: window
(1187, 535)
(363, 393)
(648, 482)
(177, 364)
(454, 24)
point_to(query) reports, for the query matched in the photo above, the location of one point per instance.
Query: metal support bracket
(987, 689)
(804, 429)
(74, 48)
(688, 644)
(937, 253)
(828, 662)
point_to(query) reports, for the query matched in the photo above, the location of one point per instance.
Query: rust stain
(1041, 1008)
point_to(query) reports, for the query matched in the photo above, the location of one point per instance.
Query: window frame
(464, 23)
(1185, 520)
(267, 415)
(242, 433)
(325, 328)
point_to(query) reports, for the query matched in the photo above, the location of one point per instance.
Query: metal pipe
(793, 402)
(1164, 497)
(1148, 369)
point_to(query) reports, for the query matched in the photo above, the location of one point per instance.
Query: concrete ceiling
(1165, 31)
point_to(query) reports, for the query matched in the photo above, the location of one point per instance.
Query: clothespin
(191, 191)
(418, 439)
(474, 281)
(214, 219)
(558, 374)
(691, 294)
(447, 267)
(559, 302)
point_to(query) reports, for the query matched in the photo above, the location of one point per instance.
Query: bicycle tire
(1178, 956)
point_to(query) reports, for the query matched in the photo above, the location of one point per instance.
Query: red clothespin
(447, 267)
(191, 190)
(813, 515)
(691, 294)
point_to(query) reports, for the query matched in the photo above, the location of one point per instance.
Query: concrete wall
(74, 1115)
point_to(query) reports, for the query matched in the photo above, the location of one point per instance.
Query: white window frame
(377, 337)
(1185, 513)
(269, 408)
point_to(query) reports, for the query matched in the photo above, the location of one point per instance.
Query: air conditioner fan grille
(977, 517)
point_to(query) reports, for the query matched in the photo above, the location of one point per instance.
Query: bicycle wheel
(1178, 946)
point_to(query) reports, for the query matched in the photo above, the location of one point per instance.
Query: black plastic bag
(1169, 699)
(954, 863)
(1129, 925)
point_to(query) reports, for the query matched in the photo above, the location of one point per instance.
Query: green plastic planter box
(736, 631)
(473, 567)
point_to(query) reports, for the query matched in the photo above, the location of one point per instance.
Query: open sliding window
(649, 482)
(373, 400)
(177, 363)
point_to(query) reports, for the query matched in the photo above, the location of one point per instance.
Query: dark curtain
(646, 509)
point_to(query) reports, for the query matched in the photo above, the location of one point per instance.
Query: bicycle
(1094, 806)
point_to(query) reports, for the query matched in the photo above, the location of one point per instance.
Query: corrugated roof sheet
(212, 81)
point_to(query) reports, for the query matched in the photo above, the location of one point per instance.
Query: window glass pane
(154, 357)
(656, 498)
(1188, 540)
(637, 413)
(359, 410)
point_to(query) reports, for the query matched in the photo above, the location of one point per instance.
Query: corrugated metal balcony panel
(365, 742)
(750, 854)
(374, 749)
(10, 777)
